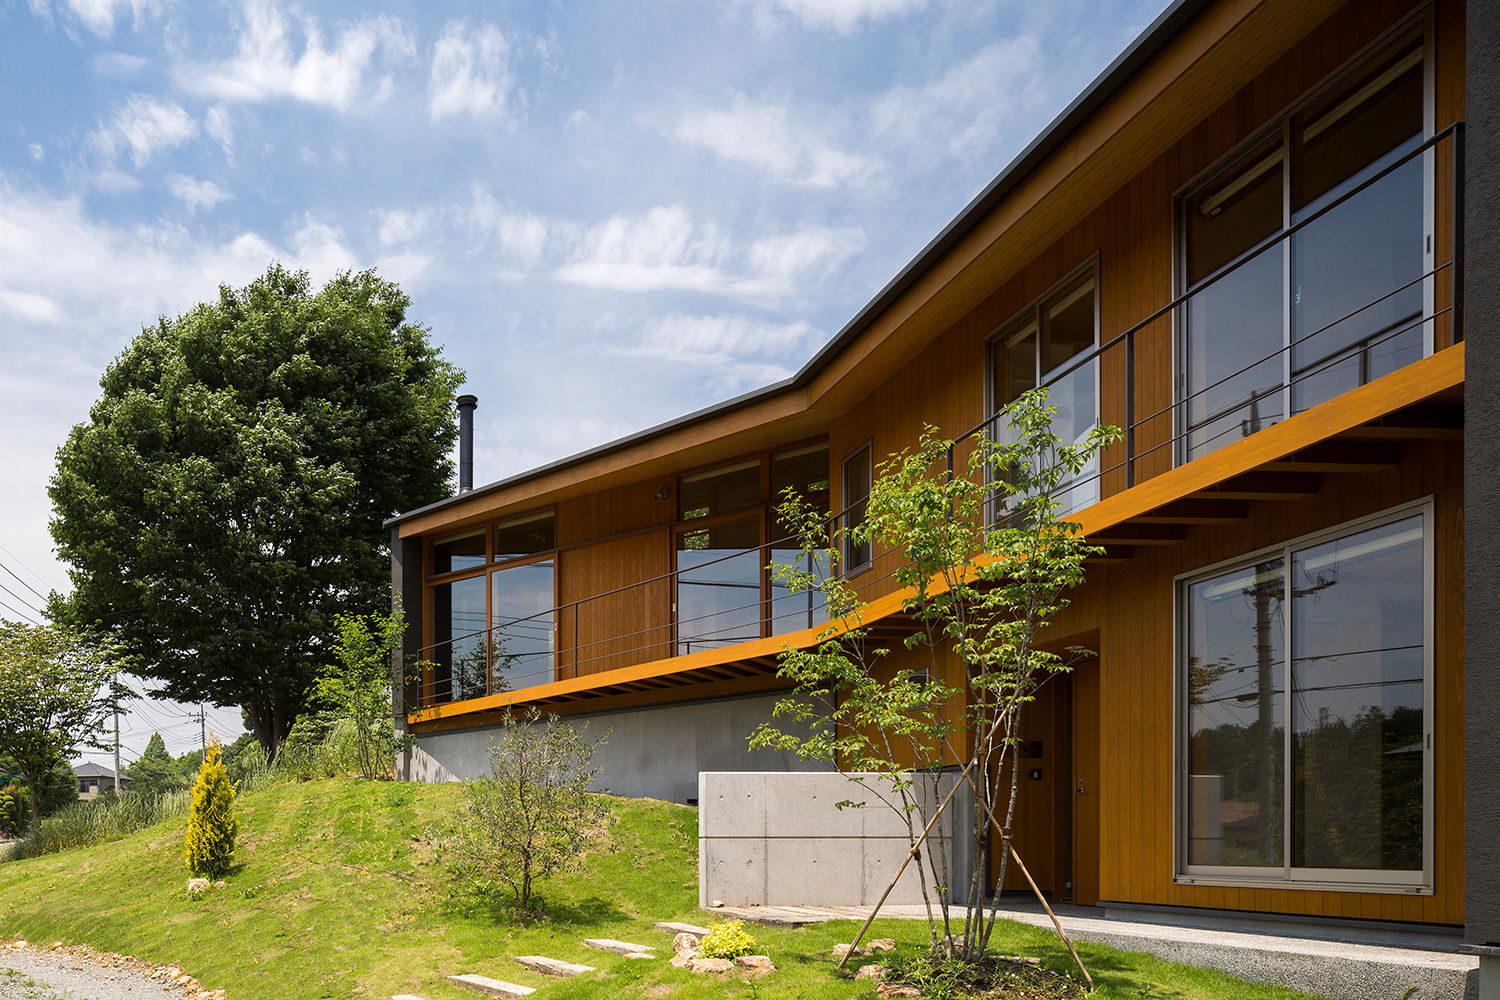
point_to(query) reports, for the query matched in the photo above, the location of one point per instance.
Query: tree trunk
(39, 783)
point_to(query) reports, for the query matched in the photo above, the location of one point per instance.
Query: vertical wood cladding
(1132, 607)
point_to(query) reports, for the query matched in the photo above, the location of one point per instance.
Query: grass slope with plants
(334, 893)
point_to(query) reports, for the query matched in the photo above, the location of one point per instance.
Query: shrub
(727, 940)
(358, 688)
(106, 818)
(211, 825)
(533, 817)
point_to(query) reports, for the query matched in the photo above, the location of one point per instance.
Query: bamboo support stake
(1055, 922)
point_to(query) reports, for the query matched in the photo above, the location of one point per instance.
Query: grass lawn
(336, 895)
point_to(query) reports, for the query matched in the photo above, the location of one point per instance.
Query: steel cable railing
(670, 633)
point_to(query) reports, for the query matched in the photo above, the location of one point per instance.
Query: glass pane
(718, 585)
(1357, 719)
(1016, 367)
(451, 554)
(857, 481)
(521, 625)
(1068, 331)
(458, 635)
(523, 536)
(719, 490)
(1236, 739)
(1234, 330)
(1068, 326)
(791, 611)
(805, 470)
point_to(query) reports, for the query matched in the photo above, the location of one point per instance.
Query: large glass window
(458, 552)
(522, 625)
(1044, 346)
(719, 571)
(804, 470)
(715, 491)
(524, 536)
(1313, 766)
(858, 473)
(1338, 303)
(458, 640)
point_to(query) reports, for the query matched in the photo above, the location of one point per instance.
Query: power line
(23, 583)
(22, 601)
(24, 617)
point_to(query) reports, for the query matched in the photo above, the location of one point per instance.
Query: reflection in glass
(858, 480)
(464, 552)
(523, 536)
(1357, 700)
(791, 611)
(718, 598)
(1236, 739)
(521, 625)
(458, 637)
(719, 490)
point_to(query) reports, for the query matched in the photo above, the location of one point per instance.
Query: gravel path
(31, 974)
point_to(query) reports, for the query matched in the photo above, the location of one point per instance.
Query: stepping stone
(552, 966)
(407, 996)
(675, 928)
(491, 987)
(618, 947)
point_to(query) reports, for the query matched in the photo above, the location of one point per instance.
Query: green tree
(987, 562)
(357, 687)
(54, 697)
(226, 495)
(154, 771)
(533, 815)
(212, 827)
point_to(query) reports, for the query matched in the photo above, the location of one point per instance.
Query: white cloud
(763, 137)
(470, 72)
(220, 129)
(401, 225)
(196, 194)
(696, 339)
(144, 125)
(119, 65)
(266, 65)
(99, 16)
(37, 152)
(842, 16)
(29, 306)
(967, 108)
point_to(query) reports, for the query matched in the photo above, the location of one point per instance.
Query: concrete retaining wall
(654, 752)
(777, 839)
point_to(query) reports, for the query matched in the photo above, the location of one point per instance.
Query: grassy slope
(336, 896)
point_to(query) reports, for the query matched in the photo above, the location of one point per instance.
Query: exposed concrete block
(732, 869)
(882, 856)
(492, 987)
(823, 871)
(673, 927)
(806, 805)
(732, 805)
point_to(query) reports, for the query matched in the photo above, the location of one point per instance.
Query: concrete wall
(654, 752)
(1482, 479)
(780, 840)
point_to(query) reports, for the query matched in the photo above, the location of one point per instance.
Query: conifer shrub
(211, 823)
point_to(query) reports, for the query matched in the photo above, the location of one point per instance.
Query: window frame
(847, 567)
(1288, 876)
(1279, 127)
(1031, 315)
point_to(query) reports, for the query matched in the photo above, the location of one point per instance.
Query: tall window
(805, 471)
(1338, 303)
(1046, 346)
(523, 619)
(858, 480)
(1305, 674)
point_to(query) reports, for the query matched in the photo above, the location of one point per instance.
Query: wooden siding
(1132, 606)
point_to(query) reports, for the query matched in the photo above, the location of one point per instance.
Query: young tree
(986, 561)
(154, 771)
(54, 698)
(212, 827)
(532, 817)
(226, 496)
(358, 687)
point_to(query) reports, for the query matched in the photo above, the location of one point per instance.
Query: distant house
(95, 778)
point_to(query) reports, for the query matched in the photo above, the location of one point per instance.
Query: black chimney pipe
(466, 405)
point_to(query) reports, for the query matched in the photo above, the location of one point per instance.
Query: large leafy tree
(54, 696)
(155, 771)
(225, 499)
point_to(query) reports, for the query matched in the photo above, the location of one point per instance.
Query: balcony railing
(489, 669)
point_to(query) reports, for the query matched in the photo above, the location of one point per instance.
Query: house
(95, 778)
(1262, 244)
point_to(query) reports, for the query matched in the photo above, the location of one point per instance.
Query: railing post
(1130, 409)
(1458, 232)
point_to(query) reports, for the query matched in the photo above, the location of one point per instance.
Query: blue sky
(607, 213)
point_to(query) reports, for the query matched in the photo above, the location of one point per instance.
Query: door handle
(1080, 786)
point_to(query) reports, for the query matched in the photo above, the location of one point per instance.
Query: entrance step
(671, 927)
(618, 947)
(491, 987)
(552, 966)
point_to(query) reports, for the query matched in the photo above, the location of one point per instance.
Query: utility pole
(203, 728)
(117, 746)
